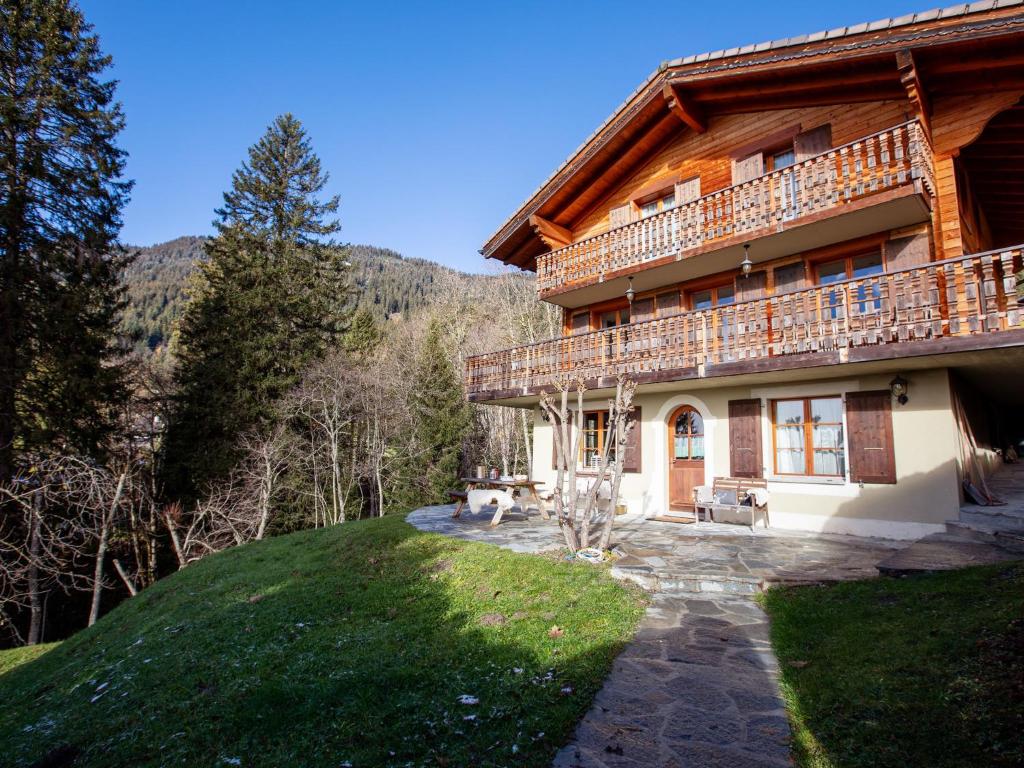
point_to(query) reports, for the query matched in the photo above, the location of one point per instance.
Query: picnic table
(523, 489)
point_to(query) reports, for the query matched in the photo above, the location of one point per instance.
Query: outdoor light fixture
(746, 264)
(898, 387)
(630, 293)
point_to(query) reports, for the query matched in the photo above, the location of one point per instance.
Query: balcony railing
(965, 296)
(893, 158)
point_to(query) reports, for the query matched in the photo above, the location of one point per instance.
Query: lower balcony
(960, 304)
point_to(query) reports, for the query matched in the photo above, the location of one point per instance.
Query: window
(713, 297)
(867, 298)
(613, 318)
(595, 433)
(782, 159)
(808, 437)
(657, 205)
(688, 438)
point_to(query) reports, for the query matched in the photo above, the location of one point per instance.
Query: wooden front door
(685, 457)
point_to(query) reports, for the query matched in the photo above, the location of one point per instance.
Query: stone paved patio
(698, 687)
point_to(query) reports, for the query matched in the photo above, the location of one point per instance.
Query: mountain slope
(385, 283)
(342, 646)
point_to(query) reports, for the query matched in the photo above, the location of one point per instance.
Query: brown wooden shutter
(753, 286)
(642, 311)
(554, 448)
(747, 168)
(745, 438)
(687, 191)
(668, 303)
(817, 141)
(631, 456)
(905, 252)
(869, 420)
(621, 216)
(791, 277)
(580, 323)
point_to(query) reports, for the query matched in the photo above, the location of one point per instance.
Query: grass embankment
(924, 671)
(345, 646)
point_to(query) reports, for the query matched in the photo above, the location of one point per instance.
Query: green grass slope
(349, 646)
(922, 672)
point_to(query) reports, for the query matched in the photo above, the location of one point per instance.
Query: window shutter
(621, 216)
(752, 286)
(554, 448)
(580, 323)
(747, 168)
(745, 438)
(814, 142)
(869, 420)
(642, 311)
(687, 191)
(631, 456)
(668, 303)
(789, 278)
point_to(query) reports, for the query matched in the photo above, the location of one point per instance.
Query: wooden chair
(730, 501)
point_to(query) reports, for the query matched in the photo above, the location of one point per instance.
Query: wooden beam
(685, 109)
(911, 80)
(554, 236)
(815, 99)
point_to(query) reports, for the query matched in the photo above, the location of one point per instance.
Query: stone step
(1009, 540)
(659, 580)
(996, 518)
(943, 552)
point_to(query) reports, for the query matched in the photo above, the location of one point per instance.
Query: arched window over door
(688, 441)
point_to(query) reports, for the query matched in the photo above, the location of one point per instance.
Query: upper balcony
(881, 181)
(958, 305)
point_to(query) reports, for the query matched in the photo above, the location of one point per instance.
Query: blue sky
(434, 120)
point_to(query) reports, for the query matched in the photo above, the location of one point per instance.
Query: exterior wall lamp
(899, 387)
(746, 264)
(630, 293)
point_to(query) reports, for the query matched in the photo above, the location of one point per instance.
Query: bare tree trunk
(101, 550)
(35, 625)
(172, 529)
(132, 589)
(523, 414)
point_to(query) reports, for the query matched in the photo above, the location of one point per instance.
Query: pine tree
(271, 296)
(60, 214)
(441, 415)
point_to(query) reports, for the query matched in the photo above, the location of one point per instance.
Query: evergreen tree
(270, 297)
(61, 196)
(442, 417)
(363, 335)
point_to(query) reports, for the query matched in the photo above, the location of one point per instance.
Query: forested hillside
(384, 281)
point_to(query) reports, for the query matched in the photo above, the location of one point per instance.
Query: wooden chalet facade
(873, 179)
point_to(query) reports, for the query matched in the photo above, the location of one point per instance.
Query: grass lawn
(349, 646)
(924, 671)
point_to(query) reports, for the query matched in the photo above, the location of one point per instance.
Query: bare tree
(576, 509)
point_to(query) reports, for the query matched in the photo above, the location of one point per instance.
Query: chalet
(806, 253)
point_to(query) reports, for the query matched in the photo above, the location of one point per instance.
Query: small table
(520, 488)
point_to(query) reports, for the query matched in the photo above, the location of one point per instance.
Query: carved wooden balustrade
(966, 296)
(887, 160)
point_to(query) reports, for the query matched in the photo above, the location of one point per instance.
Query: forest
(159, 404)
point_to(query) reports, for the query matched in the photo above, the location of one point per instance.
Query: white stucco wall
(924, 436)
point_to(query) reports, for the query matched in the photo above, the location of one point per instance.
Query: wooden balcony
(868, 172)
(947, 306)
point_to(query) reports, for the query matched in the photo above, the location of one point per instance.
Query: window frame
(601, 433)
(659, 198)
(713, 290)
(808, 434)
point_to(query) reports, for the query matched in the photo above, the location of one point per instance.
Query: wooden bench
(733, 488)
(461, 497)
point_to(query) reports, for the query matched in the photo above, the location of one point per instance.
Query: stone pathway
(698, 687)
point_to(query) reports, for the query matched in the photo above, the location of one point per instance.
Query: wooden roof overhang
(965, 50)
